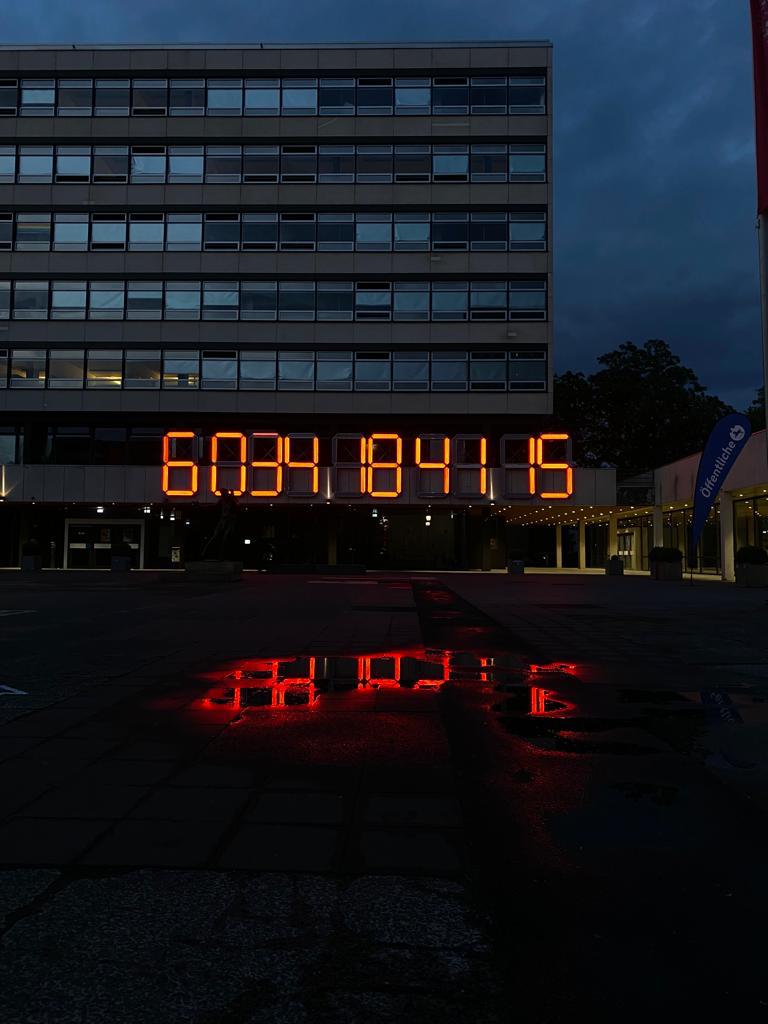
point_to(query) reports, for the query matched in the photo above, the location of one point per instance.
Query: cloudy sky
(654, 187)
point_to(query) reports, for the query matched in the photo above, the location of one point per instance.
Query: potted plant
(614, 566)
(121, 557)
(30, 556)
(752, 567)
(666, 563)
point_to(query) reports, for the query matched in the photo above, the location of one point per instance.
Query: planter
(31, 563)
(614, 568)
(214, 569)
(120, 563)
(667, 570)
(752, 575)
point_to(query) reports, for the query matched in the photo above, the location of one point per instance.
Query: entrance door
(89, 543)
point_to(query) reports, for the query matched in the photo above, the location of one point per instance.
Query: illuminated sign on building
(260, 465)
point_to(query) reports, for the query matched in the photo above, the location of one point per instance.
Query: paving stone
(46, 841)
(413, 810)
(282, 848)
(86, 801)
(44, 723)
(129, 773)
(15, 746)
(216, 775)
(157, 844)
(72, 747)
(151, 750)
(186, 804)
(308, 808)
(410, 849)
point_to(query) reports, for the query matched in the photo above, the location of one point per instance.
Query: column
(727, 547)
(582, 544)
(658, 527)
(559, 546)
(613, 531)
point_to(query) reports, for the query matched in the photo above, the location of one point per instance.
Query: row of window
(271, 97)
(496, 231)
(290, 164)
(438, 300)
(519, 369)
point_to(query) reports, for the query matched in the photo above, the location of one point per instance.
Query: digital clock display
(257, 465)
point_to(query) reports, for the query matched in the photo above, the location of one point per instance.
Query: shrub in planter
(121, 557)
(666, 563)
(614, 566)
(31, 560)
(752, 567)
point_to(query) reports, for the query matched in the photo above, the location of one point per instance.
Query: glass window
(297, 231)
(527, 231)
(488, 96)
(143, 442)
(488, 371)
(449, 231)
(373, 232)
(261, 163)
(181, 369)
(221, 231)
(260, 231)
(109, 444)
(375, 96)
(146, 232)
(449, 371)
(450, 96)
(374, 163)
(527, 370)
(449, 300)
(182, 300)
(9, 90)
(450, 163)
(30, 300)
(184, 232)
(297, 300)
(225, 97)
(7, 163)
(6, 231)
(412, 232)
(335, 232)
(527, 162)
(299, 96)
(220, 370)
(526, 95)
(337, 96)
(68, 300)
(150, 96)
(412, 96)
(112, 97)
(110, 163)
(488, 232)
(488, 163)
(106, 300)
(108, 231)
(373, 371)
(334, 371)
(70, 232)
(296, 371)
(335, 300)
(336, 163)
(411, 300)
(298, 163)
(75, 97)
(5, 300)
(145, 300)
(488, 300)
(258, 300)
(222, 163)
(262, 97)
(33, 232)
(8, 437)
(73, 163)
(28, 368)
(65, 368)
(142, 368)
(257, 371)
(38, 97)
(35, 164)
(185, 164)
(220, 300)
(413, 163)
(105, 368)
(373, 300)
(410, 371)
(147, 165)
(187, 97)
(69, 445)
(527, 300)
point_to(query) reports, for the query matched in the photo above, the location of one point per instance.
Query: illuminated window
(266, 465)
(302, 453)
(105, 369)
(349, 462)
(433, 457)
(180, 469)
(228, 471)
(470, 460)
(384, 471)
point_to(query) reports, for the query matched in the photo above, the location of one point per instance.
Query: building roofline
(429, 44)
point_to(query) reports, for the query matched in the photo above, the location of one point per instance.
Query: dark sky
(654, 161)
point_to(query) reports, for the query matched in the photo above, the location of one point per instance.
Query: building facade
(317, 278)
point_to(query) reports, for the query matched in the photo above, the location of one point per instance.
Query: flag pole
(762, 249)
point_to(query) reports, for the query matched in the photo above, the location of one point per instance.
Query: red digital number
(174, 467)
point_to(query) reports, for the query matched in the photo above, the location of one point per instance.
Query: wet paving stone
(150, 843)
(188, 804)
(86, 801)
(419, 851)
(47, 841)
(306, 808)
(283, 847)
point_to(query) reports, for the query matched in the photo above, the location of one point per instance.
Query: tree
(756, 410)
(642, 409)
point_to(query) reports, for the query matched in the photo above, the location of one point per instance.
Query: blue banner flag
(724, 446)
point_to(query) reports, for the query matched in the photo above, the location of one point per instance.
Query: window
(410, 371)
(374, 96)
(257, 371)
(489, 163)
(258, 300)
(220, 300)
(299, 96)
(220, 370)
(8, 435)
(145, 300)
(105, 369)
(182, 300)
(181, 370)
(7, 163)
(412, 232)
(527, 231)
(335, 300)
(260, 231)
(527, 370)
(110, 163)
(411, 300)
(373, 232)
(106, 300)
(150, 96)
(488, 96)
(184, 232)
(336, 164)
(297, 300)
(73, 163)
(69, 445)
(68, 300)
(526, 95)
(5, 300)
(222, 164)
(527, 162)
(143, 442)
(146, 232)
(261, 163)
(142, 368)
(9, 89)
(297, 231)
(6, 231)
(28, 368)
(112, 97)
(185, 164)
(75, 97)
(450, 231)
(221, 231)
(30, 300)
(488, 300)
(450, 96)
(337, 96)
(488, 371)
(336, 232)
(373, 371)
(109, 445)
(147, 165)
(373, 300)
(38, 97)
(413, 163)
(187, 97)
(450, 163)
(65, 368)
(296, 371)
(298, 163)
(225, 97)
(108, 231)
(449, 371)
(488, 232)
(35, 164)
(412, 96)
(334, 371)
(70, 232)
(374, 163)
(33, 232)
(449, 300)
(262, 97)
(527, 300)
